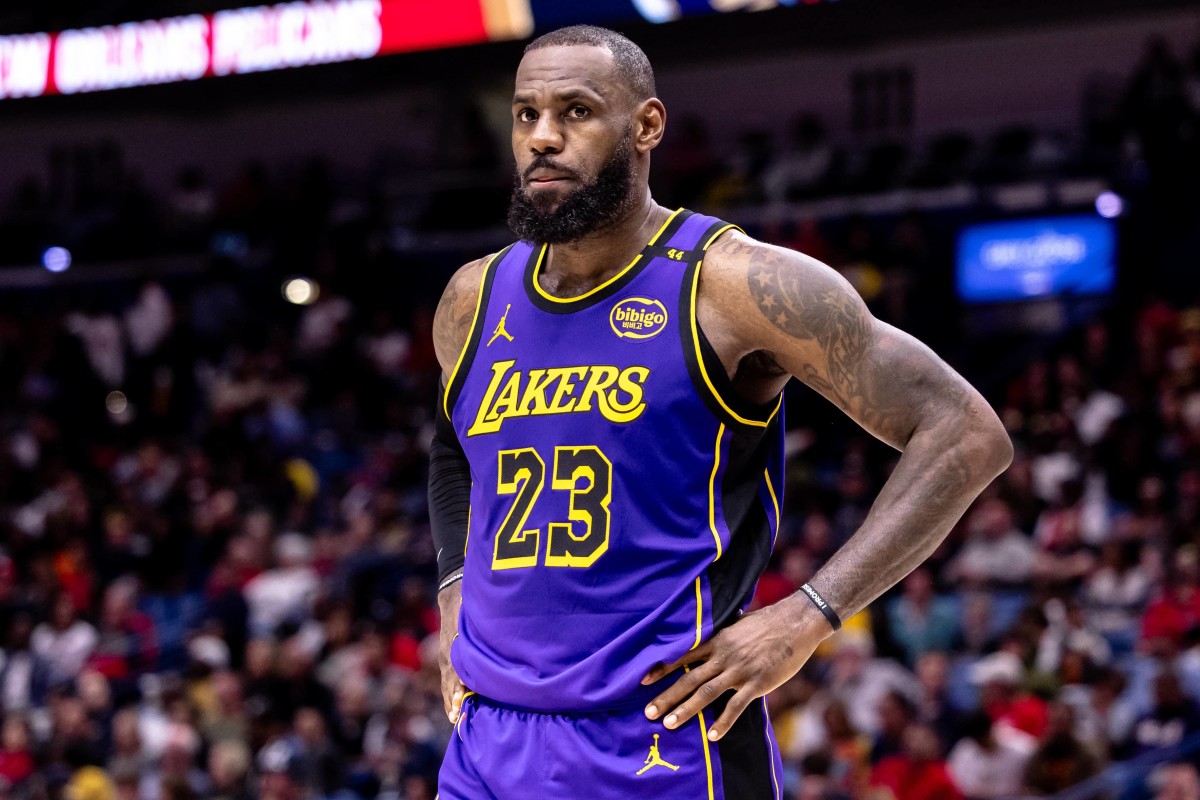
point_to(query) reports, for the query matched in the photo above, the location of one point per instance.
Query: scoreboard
(295, 34)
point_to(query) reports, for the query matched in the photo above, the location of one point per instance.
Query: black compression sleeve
(449, 496)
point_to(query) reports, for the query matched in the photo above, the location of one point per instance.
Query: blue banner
(1036, 258)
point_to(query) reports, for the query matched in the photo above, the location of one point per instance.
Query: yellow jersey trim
(704, 370)
(537, 268)
(770, 491)
(699, 615)
(713, 238)
(470, 334)
(461, 715)
(707, 756)
(712, 492)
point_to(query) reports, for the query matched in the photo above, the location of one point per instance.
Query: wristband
(830, 615)
(453, 579)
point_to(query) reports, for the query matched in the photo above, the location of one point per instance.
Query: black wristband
(446, 584)
(834, 620)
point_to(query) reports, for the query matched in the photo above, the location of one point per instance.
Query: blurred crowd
(1058, 629)
(216, 576)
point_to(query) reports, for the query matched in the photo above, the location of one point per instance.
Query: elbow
(992, 443)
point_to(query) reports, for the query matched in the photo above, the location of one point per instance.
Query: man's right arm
(449, 473)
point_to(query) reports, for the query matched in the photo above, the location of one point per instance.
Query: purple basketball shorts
(502, 753)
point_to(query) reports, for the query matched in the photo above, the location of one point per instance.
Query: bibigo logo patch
(638, 318)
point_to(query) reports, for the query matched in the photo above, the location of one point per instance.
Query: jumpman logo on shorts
(500, 329)
(655, 760)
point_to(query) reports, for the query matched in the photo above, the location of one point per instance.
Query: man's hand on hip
(752, 656)
(453, 691)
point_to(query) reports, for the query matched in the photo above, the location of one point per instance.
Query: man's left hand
(752, 656)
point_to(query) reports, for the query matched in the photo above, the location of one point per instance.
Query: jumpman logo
(500, 330)
(655, 760)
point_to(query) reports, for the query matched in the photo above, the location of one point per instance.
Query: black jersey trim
(459, 375)
(708, 374)
(568, 305)
(746, 757)
(732, 577)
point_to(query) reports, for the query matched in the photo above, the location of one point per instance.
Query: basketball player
(609, 457)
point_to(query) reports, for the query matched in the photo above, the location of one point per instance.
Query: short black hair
(631, 63)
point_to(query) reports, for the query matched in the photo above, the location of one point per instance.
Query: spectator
(1061, 760)
(24, 674)
(1114, 595)
(1174, 717)
(919, 773)
(1064, 559)
(999, 677)
(127, 754)
(921, 621)
(89, 783)
(287, 592)
(997, 555)
(1176, 610)
(849, 750)
(860, 681)
(126, 644)
(933, 706)
(228, 768)
(1178, 782)
(177, 766)
(817, 783)
(65, 642)
(16, 750)
(989, 761)
(228, 720)
(282, 771)
(1068, 632)
(896, 714)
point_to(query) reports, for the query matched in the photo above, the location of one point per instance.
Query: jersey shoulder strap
(704, 365)
(486, 281)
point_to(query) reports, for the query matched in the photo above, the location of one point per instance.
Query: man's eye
(526, 115)
(578, 112)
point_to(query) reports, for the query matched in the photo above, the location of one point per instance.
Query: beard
(592, 206)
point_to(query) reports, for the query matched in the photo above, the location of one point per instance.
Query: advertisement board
(242, 40)
(1036, 258)
(296, 34)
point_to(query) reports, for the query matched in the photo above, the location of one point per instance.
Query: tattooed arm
(455, 312)
(771, 314)
(449, 473)
(811, 323)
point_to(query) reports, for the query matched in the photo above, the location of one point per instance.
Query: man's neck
(605, 251)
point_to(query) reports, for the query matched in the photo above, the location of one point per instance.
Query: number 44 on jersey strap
(583, 471)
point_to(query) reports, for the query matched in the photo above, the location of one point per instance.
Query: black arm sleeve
(449, 495)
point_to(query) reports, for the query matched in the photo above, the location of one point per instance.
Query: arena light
(116, 403)
(300, 291)
(56, 259)
(1109, 205)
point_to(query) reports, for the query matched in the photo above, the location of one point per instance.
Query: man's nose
(546, 136)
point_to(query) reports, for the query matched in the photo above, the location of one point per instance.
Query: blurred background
(217, 277)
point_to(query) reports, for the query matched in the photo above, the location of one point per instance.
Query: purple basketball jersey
(624, 500)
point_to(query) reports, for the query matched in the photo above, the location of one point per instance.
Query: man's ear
(649, 124)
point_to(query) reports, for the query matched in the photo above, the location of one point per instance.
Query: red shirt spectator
(999, 678)
(1177, 610)
(918, 774)
(16, 762)
(1172, 615)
